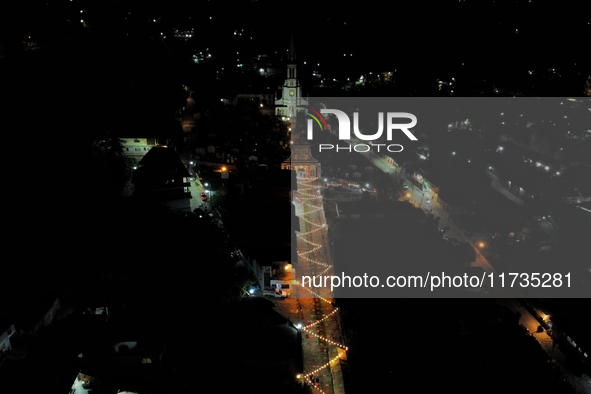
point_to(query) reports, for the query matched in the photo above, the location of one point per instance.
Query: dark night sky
(507, 33)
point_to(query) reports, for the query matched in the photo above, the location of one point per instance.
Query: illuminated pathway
(321, 334)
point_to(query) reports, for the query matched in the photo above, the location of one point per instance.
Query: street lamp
(300, 378)
(481, 245)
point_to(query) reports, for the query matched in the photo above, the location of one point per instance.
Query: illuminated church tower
(291, 92)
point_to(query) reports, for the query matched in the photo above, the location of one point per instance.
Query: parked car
(333, 184)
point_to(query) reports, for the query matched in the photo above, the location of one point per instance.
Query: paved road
(581, 384)
(196, 187)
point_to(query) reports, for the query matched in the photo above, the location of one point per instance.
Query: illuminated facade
(291, 94)
(301, 161)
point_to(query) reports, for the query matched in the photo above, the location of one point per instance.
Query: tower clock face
(291, 93)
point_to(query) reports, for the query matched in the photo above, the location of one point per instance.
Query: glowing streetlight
(481, 244)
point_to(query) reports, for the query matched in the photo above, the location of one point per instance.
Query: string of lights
(324, 318)
(326, 339)
(306, 376)
(306, 196)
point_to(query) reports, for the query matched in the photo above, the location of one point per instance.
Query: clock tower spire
(292, 54)
(291, 94)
